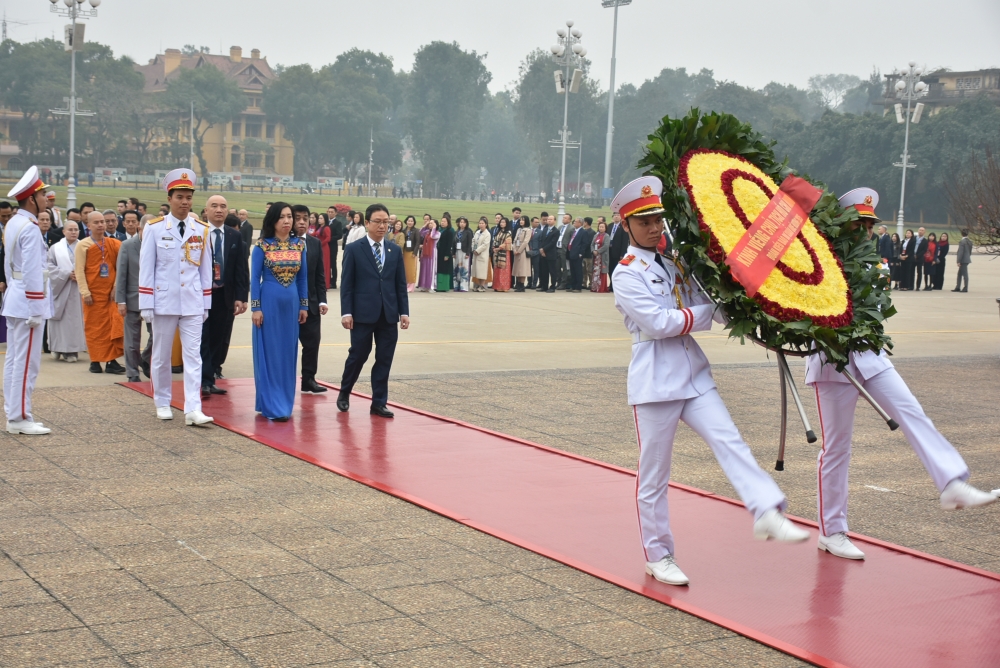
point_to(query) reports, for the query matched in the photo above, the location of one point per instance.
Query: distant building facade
(249, 144)
(946, 89)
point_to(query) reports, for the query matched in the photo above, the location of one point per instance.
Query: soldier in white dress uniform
(669, 379)
(175, 292)
(836, 400)
(27, 303)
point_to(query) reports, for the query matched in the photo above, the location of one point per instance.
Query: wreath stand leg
(783, 363)
(893, 425)
(780, 464)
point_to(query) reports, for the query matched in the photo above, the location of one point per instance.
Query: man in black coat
(918, 256)
(884, 243)
(575, 253)
(309, 331)
(372, 300)
(246, 229)
(338, 223)
(549, 264)
(533, 251)
(618, 247)
(230, 288)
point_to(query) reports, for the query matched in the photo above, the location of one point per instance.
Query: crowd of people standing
(918, 261)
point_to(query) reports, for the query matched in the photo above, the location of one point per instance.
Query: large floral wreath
(827, 290)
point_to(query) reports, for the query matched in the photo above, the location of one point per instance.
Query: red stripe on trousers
(638, 516)
(24, 381)
(822, 454)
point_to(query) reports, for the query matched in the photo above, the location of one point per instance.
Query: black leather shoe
(281, 419)
(551, 291)
(217, 390)
(310, 386)
(381, 411)
(206, 390)
(114, 367)
(344, 402)
(219, 376)
(177, 369)
(95, 367)
(145, 368)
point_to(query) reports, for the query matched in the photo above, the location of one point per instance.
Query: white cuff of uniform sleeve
(322, 303)
(346, 315)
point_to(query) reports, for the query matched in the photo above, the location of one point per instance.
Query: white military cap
(183, 178)
(29, 184)
(863, 199)
(639, 198)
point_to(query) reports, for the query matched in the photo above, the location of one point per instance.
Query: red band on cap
(638, 205)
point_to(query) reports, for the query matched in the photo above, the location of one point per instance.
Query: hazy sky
(750, 42)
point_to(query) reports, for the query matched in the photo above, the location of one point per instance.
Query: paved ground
(129, 541)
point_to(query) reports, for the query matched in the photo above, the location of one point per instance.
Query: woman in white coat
(66, 337)
(481, 241)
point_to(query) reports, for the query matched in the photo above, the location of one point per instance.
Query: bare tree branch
(975, 198)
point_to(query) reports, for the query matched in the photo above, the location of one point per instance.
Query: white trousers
(655, 426)
(836, 403)
(164, 327)
(20, 368)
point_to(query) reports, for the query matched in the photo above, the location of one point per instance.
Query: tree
(34, 77)
(863, 97)
(217, 99)
(499, 147)
(446, 92)
(832, 88)
(113, 89)
(975, 198)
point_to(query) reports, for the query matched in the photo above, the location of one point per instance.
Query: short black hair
(588, 220)
(271, 219)
(68, 211)
(965, 231)
(372, 208)
(231, 220)
(133, 212)
(268, 203)
(545, 214)
(85, 205)
(134, 201)
(123, 201)
(516, 208)
(300, 208)
(6, 205)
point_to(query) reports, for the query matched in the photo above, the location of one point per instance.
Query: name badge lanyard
(104, 265)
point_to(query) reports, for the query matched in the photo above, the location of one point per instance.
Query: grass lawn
(107, 198)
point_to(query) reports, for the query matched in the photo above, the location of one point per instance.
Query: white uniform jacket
(861, 365)
(175, 272)
(28, 294)
(667, 364)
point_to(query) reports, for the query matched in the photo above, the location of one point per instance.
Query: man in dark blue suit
(549, 264)
(372, 300)
(575, 252)
(884, 243)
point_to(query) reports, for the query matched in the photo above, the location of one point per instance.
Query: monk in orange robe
(96, 259)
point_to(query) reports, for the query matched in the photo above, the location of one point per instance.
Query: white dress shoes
(960, 494)
(839, 545)
(164, 413)
(27, 427)
(197, 419)
(667, 571)
(774, 524)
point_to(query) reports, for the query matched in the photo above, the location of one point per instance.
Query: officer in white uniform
(27, 303)
(669, 379)
(836, 400)
(175, 292)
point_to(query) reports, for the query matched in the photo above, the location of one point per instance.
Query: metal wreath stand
(787, 381)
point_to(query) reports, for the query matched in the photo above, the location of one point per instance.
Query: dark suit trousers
(562, 277)
(215, 335)
(550, 271)
(309, 337)
(576, 273)
(384, 334)
(533, 281)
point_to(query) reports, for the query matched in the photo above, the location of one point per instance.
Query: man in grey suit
(963, 258)
(127, 297)
(562, 245)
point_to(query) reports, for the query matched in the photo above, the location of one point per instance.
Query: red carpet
(897, 608)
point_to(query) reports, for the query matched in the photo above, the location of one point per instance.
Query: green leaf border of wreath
(869, 286)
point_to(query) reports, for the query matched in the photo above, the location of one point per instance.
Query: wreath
(827, 293)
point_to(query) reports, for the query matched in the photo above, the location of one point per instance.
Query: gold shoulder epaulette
(155, 220)
(627, 260)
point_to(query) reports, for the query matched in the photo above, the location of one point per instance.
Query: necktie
(217, 250)
(659, 261)
(180, 227)
(378, 257)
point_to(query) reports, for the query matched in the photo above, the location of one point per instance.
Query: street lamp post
(74, 10)
(567, 52)
(605, 192)
(909, 88)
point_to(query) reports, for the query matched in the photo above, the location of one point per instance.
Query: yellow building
(249, 144)
(946, 89)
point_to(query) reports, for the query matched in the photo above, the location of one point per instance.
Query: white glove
(147, 314)
(35, 321)
(204, 316)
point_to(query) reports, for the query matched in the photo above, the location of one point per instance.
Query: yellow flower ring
(727, 193)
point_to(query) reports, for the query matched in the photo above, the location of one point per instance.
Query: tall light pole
(567, 52)
(74, 35)
(606, 190)
(909, 88)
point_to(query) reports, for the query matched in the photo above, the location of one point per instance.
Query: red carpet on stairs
(897, 608)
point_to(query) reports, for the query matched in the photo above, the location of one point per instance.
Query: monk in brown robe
(96, 260)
